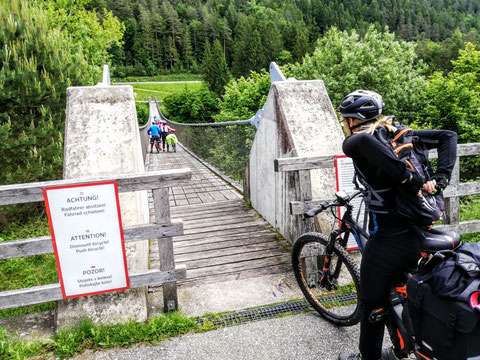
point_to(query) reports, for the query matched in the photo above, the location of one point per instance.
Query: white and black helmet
(364, 105)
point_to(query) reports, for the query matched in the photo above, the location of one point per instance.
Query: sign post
(87, 238)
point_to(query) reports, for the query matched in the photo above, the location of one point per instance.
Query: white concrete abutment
(298, 120)
(102, 138)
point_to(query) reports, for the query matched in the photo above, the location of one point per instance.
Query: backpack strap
(373, 197)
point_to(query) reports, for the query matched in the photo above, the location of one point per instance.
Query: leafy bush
(142, 113)
(191, 106)
(453, 103)
(244, 97)
(346, 62)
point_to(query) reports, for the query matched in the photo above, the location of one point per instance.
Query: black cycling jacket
(383, 170)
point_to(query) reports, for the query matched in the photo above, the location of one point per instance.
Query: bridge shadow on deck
(223, 239)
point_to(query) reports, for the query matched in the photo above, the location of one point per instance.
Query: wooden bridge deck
(223, 239)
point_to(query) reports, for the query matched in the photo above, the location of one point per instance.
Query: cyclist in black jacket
(393, 246)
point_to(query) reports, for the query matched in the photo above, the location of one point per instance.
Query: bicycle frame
(347, 225)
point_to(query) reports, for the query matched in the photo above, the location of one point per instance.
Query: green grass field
(160, 91)
(171, 77)
(27, 271)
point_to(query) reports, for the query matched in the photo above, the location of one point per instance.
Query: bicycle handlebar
(312, 212)
(342, 199)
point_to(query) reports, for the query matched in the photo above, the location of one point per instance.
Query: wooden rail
(162, 229)
(452, 193)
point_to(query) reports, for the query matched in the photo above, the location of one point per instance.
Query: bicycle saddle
(433, 240)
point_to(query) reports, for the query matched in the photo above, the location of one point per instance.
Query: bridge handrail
(224, 123)
(163, 229)
(303, 165)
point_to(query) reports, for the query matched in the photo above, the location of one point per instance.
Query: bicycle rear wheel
(338, 300)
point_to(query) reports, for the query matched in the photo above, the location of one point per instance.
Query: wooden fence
(163, 230)
(304, 201)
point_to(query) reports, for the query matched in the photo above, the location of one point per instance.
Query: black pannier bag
(445, 325)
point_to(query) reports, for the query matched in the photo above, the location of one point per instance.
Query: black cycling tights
(388, 253)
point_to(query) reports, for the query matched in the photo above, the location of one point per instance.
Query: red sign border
(52, 232)
(338, 189)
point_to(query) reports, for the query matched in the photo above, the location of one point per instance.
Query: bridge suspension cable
(225, 145)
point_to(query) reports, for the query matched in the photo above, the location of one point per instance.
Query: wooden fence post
(452, 204)
(165, 248)
(305, 184)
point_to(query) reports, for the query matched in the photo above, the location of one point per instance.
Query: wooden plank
(238, 266)
(165, 248)
(221, 232)
(234, 259)
(220, 220)
(220, 243)
(232, 211)
(305, 192)
(464, 227)
(225, 253)
(32, 192)
(53, 292)
(222, 227)
(462, 189)
(304, 163)
(469, 149)
(324, 162)
(186, 216)
(205, 197)
(218, 204)
(452, 204)
(238, 275)
(43, 244)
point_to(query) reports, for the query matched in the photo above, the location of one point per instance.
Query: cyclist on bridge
(154, 131)
(392, 246)
(172, 141)
(165, 130)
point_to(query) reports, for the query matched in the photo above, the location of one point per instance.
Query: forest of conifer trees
(172, 35)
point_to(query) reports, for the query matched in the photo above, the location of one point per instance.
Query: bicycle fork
(325, 280)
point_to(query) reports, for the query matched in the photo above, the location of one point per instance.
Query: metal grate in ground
(271, 311)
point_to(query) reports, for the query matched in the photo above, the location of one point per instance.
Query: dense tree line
(344, 60)
(172, 35)
(45, 47)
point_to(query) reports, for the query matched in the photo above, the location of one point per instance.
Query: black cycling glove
(442, 181)
(414, 182)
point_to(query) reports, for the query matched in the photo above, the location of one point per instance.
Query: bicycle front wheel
(337, 297)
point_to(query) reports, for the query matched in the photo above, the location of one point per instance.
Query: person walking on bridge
(172, 140)
(165, 130)
(154, 132)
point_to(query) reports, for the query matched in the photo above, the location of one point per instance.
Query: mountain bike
(156, 143)
(329, 276)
